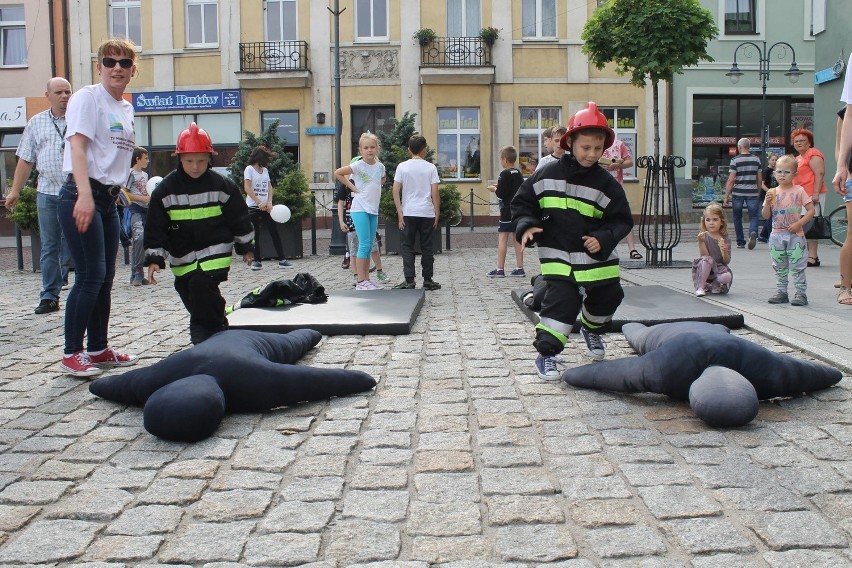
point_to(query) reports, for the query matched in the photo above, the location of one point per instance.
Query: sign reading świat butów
(170, 101)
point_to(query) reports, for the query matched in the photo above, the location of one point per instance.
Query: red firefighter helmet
(194, 139)
(589, 117)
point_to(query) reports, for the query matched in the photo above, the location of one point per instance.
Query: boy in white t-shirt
(415, 193)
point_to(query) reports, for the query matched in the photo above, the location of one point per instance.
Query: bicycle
(839, 225)
(456, 218)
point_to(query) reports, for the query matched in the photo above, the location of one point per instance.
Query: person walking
(811, 176)
(42, 145)
(743, 183)
(100, 141)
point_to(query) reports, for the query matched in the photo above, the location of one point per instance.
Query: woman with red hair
(810, 176)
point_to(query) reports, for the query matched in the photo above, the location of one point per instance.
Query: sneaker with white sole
(256, 265)
(79, 365)
(518, 272)
(700, 292)
(595, 347)
(109, 357)
(496, 273)
(752, 239)
(367, 285)
(381, 276)
(285, 264)
(547, 367)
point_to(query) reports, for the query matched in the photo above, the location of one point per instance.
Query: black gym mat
(650, 305)
(349, 312)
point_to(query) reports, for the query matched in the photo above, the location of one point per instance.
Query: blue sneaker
(285, 264)
(546, 367)
(595, 348)
(496, 273)
(518, 272)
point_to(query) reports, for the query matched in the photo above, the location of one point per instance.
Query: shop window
(538, 18)
(125, 20)
(373, 119)
(458, 143)
(288, 129)
(371, 20)
(202, 23)
(13, 40)
(532, 123)
(740, 17)
(623, 122)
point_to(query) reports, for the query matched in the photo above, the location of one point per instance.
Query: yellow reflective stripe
(216, 263)
(596, 274)
(563, 339)
(581, 207)
(195, 213)
(184, 269)
(555, 269)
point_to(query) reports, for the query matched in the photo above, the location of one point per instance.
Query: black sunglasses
(109, 62)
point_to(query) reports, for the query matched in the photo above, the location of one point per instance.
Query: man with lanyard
(42, 144)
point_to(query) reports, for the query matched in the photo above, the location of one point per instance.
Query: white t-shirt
(846, 96)
(108, 124)
(138, 185)
(546, 160)
(368, 179)
(416, 177)
(259, 185)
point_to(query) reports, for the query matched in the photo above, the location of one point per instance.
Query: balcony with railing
(274, 64)
(465, 60)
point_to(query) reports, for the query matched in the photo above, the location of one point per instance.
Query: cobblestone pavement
(461, 457)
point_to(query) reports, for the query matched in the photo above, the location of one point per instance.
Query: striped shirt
(745, 168)
(42, 144)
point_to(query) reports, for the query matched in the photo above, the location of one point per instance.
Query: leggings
(365, 227)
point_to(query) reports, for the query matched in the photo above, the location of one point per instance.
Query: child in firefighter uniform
(576, 213)
(197, 217)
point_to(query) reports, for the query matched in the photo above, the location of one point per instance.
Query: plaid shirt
(42, 143)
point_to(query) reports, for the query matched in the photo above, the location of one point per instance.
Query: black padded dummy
(187, 394)
(676, 354)
(723, 398)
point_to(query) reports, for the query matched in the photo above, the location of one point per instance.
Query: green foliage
(425, 36)
(649, 38)
(25, 214)
(489, 35)
(450, 202)
(294, 192)
(279, 167)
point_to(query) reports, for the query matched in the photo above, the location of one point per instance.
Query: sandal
(845, 297)
(813, 262)
(634, 254)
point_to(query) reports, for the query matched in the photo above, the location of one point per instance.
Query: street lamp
(764, 55)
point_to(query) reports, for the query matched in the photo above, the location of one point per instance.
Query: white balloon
(280, 213)
(153, 183)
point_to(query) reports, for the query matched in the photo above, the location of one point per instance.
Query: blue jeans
(55, 258)
(88, 305)
(753, 205)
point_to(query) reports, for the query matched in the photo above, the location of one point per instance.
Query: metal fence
(456, 52)
(263, 56)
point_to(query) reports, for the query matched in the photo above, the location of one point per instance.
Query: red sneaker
(79, 365)
(112, 358)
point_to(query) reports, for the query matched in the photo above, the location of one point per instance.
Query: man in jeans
(744, 182)
(42, 144)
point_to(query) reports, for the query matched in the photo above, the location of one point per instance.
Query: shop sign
(172, 101)
(13, 112)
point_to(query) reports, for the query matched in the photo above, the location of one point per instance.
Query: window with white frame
(202, 23)
(538, 18)
(125, 20)
(740, 17)
(280, 19)
(371, 20)
(458, 143)
(464, 18)
(623, 123)
(13, 37)
(532, 123)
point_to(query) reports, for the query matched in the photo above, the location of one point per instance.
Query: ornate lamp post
(764, 54)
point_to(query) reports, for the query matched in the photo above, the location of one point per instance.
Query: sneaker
(373, 268)
(518, 272)
(405, 286)
(380, 274)
(752, 239)
(799, 300)
(145, 281)
(779, 298)
(109, 357)
(47, 306)
(700, 292)
(285, 264)
(546, 367)
(368, 285)
(431, 285)
(256, 265)
(594, 344)
(762, 240)
(79, 365)
(345, 263)
(496, 273)
(740, 246)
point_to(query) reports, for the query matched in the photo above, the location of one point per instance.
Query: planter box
(393, 240)
(290, 234)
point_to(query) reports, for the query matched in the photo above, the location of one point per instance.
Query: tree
(394, 144)
(650, 39)
(279, 167)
